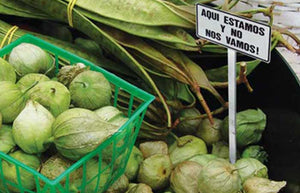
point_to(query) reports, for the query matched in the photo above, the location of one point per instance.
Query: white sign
(235, 32)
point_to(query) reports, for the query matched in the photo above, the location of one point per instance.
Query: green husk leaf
(182, 11)
(165, 34)
(173, 90)
(149, 12)
(89, 45)
(142, 47)
(179, 46)
(191, 69)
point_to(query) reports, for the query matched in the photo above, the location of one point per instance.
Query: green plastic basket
(111, 156)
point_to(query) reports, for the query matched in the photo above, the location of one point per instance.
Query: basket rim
(133, 90)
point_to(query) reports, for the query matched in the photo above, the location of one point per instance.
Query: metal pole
(232, 104)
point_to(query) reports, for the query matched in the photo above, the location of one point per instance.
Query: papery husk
(262, 185)
(90, 90)
(119, 120)
(203, 159)
(53, 95)
(67, 73)
(150, 148)
(219, 176)
(220, 149)
(7, 71)
(12, 101)
(120, 185)
(155, 171)
(256, 152)
(32, 128)
(38, 62)
(133, 165)
(139, 188)
(249, 167)
(107, 113)
(210, 133)
(188, 127)
(184, 178)
(30, 79)
(7, 142)
(55, 166)
(27, 179)
(77, 132)
(186, 147)
(92, 170)
(250, 125)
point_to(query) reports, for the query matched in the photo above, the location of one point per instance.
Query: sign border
(216, 42)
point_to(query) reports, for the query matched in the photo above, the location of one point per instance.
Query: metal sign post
(238, 34)
(232, 104)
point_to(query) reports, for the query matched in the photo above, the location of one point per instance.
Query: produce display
(54, 111)
(49, 125)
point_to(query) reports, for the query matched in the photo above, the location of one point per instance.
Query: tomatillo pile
(48, 125)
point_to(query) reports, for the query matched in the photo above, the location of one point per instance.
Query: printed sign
(235, 32)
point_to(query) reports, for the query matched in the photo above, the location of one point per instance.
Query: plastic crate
(119, 145)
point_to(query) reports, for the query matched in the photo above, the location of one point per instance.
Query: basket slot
(56, 64)
(117, 89)
(99, 172)
(67, 184)
(112, 163)
(19, 178)
(46, 189)
(2, 179)
(83, 182)
(38, 187)
(95, 183)
(130, 105)
(53, 189)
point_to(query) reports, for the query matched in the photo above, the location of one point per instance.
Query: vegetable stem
(204, 104)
